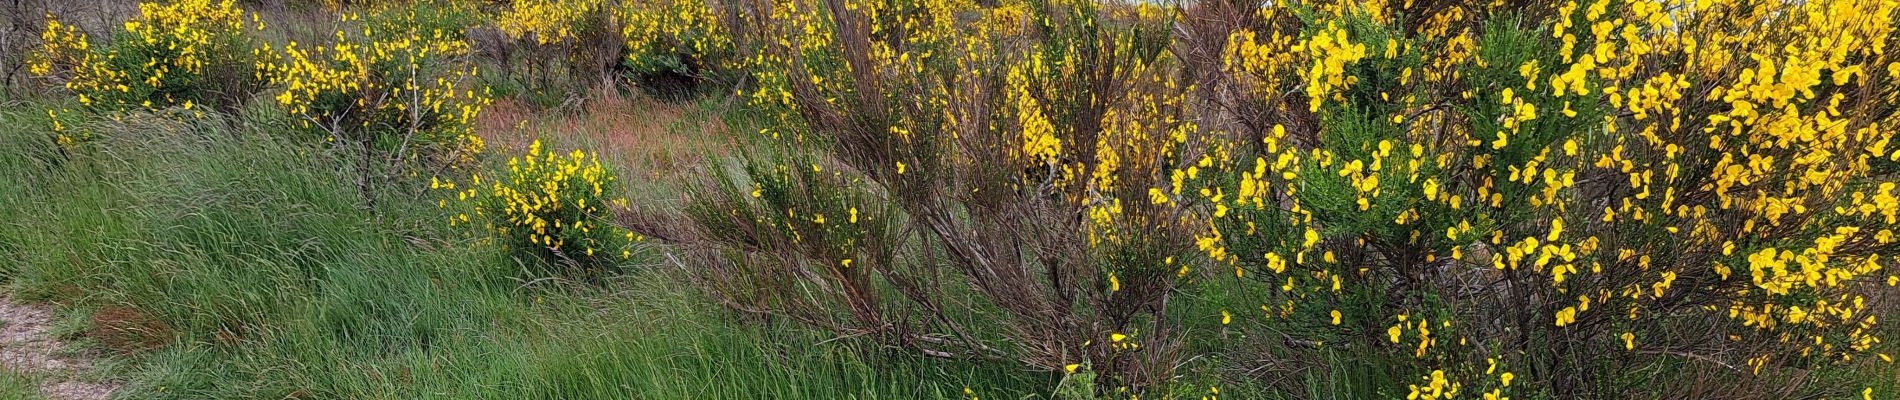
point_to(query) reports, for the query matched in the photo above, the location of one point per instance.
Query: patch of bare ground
(28, 347)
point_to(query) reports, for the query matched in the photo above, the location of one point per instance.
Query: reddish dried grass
(127, 330)
(649, 140)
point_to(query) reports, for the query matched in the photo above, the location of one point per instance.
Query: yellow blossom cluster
(549, 21)
(405, 90)
(547, 203)
(1638, 163)
(1040, 145)
(162, 57)
(1065, 108)
(1332, 51)
(671, 34)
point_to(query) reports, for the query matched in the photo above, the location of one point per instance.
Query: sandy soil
(28, 347)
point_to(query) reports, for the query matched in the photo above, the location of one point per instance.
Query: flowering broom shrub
(998, 163)
(1665, 184)
(551, 21)
(648, 39)
(1545, 200)
(684, 37)
(548, 205)
(580, 35)
(181, 53)
(399, 100)
(437, 20)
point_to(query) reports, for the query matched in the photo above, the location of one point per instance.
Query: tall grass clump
(220, 259)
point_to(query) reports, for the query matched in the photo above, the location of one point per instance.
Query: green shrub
(972, 192)
(395, 93)
(679, 37)
(184, 53)
(561, 45)
(1460, 200)
(430, 20)
(555, 207)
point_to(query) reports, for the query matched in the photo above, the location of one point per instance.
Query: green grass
(243, 266)
(15, 385)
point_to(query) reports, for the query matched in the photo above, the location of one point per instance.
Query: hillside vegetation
(1048, 199)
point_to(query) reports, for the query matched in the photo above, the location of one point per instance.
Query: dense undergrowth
(1557, 199)
(953, 199)
(218, 259)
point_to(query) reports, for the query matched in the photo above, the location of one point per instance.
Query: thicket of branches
(1564, 194)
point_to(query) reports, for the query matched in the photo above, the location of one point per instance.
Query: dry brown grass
(652, 143)
(127, 330)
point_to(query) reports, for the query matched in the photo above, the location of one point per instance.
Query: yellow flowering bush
(571, 39)
(184, 52)
(403, 99)
(551, 21)
(548, 205)
(436, 20)
(674, 36)
(1638, 180)
(650, 39)
(65, 130)
(1498, 202)
(960, 154)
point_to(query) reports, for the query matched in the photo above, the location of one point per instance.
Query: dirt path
(27, 347)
